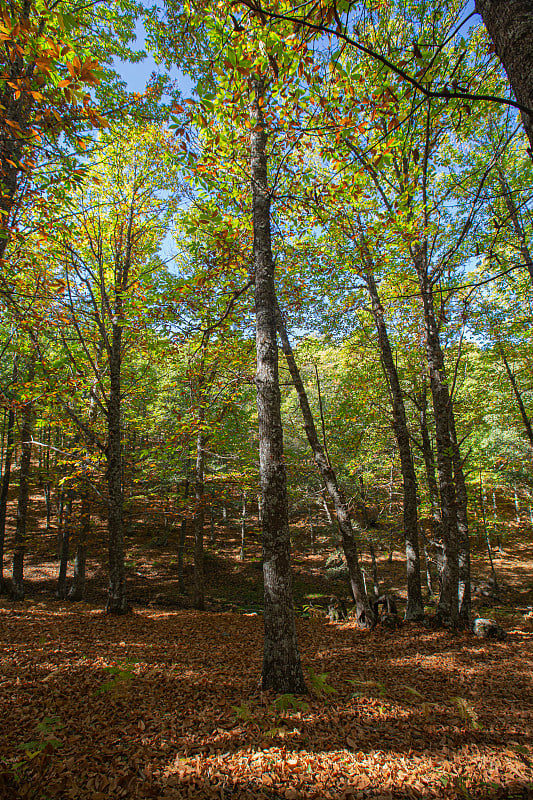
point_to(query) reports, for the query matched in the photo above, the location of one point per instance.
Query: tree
(49, 68)
(282, 670)
(6, 470)
(415, 606)
(364, 612)
(108, 253)
(28, 421)
(510, 25)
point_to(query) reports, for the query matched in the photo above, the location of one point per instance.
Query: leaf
(243, 712)
(382, 689)
(319, 683)
(467, 713)
(287, 701)
(414, 693)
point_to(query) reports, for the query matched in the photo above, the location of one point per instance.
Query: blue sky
(137, 75)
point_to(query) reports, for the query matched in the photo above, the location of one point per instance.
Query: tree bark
(282, 670)
(181, 549)
(518, 396)
(28, 420)
(326, 508)
(77, 587)
(516, 506)
(116, 603)
(48, 501)
(61, 498)
(510, 26)
(429, 579)
(514, 216)
(243, 527)
(429, 464)
(6, 478)
(198, 523)
(364, 612)
(415, 607)
(211, 525)
(375, 577)
(448, 607)
(486, 531)
(65, 549)
(14, 138)
(463, 536)
(311, 528)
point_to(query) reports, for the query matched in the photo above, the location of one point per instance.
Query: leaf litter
(167, 705)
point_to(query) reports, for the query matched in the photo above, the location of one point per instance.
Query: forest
(266, 386)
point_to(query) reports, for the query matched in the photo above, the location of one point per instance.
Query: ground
(165, 702)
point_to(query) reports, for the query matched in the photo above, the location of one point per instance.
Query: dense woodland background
(289, 306)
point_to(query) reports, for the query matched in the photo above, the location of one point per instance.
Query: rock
(488, 629)
(485, 589)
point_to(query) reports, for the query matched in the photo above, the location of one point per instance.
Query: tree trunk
(429, 579)
(181, 549)
(463, 536)
(365, 615)
(326, 508)
(47, 487)
(311, 527)
(514, 216)
(28, 419)
(415, 607)
(16, 107)
(391, 495)
(4, 426)
(448, 608)
(116, 603)
(48, 501)
(243, 527)
(429, 464)
(516, 506)
(518, 396)
(6, 478)
(375, 578)
(510, 25)
(487, 537)
(77, 587)
(198, 597)
(60, 519)
(282, 669)
(65, 549)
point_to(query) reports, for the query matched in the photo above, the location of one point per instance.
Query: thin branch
(443, 94)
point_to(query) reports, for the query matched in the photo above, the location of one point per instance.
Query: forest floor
(165, 702)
